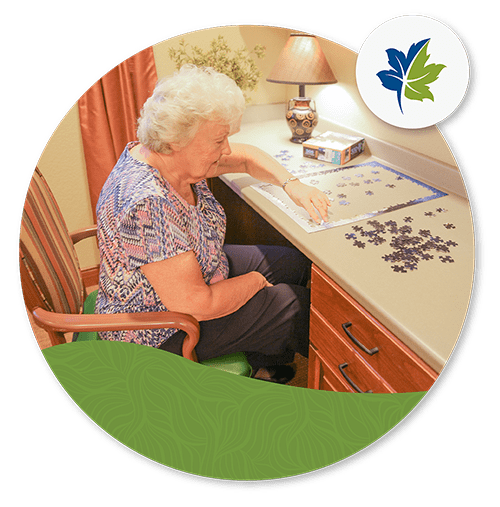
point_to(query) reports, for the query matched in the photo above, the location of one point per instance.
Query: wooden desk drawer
(320, 376)
(391, 359)
(338, 356)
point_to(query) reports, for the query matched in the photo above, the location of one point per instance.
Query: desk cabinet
(350, 351)
(336, 362)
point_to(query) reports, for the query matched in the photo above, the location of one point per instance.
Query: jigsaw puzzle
(356, 192)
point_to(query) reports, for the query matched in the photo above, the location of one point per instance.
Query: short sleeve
(152, 230)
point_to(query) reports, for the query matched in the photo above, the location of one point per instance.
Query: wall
(63, 164)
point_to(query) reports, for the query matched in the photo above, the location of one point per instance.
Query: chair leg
(56, 338)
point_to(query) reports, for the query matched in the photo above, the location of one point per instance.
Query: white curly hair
(181, 102)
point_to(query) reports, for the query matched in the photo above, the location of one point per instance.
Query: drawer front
(393, 360)
(339, 357)
(321, 376)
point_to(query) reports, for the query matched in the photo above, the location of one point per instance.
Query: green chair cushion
(88, 309)
(232, 363)
(236, 364)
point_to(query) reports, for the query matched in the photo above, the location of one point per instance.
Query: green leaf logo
(421, 75)
(410, 73)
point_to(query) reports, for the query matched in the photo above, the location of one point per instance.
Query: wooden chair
(56, 294)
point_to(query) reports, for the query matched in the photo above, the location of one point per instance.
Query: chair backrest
(50, 271)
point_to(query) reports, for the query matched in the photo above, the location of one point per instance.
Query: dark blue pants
(272, 326)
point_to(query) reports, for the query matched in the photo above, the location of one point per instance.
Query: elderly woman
(161, 232)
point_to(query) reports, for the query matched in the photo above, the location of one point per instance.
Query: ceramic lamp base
(301, 118)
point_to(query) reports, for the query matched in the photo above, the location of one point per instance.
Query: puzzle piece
(408, 249)
(446, 258)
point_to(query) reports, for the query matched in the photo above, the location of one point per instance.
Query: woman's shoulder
(130, 182)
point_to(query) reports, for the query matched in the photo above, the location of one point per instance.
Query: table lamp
(302, 62)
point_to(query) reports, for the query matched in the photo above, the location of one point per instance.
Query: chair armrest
(86, 232)
(62, 322)
(90, 275)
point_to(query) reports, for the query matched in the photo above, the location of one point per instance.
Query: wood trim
(80, 234)
(90, 276)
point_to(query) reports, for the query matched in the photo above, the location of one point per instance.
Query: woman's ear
(234, 127)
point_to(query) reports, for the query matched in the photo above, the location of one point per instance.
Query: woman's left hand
(310, 198)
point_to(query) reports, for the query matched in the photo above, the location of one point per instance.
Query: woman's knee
(295, 303)
(294, 300)
(289, 266)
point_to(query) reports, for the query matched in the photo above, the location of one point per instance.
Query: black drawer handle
(351, 383)
(356, 342)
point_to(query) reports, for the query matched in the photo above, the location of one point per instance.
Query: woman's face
(200, 158)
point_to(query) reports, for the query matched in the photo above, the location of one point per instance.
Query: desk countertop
(425, 308)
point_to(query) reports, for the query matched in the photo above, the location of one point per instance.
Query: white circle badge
(412, 72)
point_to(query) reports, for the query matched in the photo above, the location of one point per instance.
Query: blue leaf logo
(410, 74)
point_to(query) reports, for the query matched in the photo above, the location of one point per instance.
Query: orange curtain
(108, 115)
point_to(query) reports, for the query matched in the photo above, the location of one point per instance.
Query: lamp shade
(302, 62)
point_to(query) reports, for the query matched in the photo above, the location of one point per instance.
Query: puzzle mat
(356, 192)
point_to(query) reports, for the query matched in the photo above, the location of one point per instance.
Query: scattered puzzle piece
(446, 258)
(408, 249)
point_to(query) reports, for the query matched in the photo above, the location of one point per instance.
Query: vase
(301, 117)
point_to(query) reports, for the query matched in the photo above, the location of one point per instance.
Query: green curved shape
(210, 423)
(421, 75)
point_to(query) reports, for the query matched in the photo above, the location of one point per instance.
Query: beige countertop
(425, 308)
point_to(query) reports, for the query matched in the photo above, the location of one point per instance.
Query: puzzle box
(334, 148)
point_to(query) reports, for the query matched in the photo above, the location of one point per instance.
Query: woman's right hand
(261, 280)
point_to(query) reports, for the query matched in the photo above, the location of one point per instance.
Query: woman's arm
(179, 284)
(255, 162)
(249, 159)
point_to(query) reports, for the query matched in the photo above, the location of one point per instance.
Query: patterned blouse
(142, 219)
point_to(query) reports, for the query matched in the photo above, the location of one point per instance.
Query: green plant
(238, 65)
